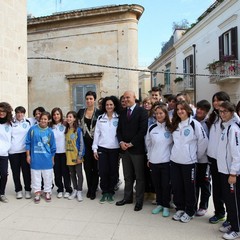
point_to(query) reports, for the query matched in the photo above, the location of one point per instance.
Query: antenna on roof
(56, 4)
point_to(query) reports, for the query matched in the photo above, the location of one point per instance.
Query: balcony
(224, 71)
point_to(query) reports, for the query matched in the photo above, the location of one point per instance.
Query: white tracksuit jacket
(105, 134)
(189, 144)
(18, 138)
(5, 138)
(158, 143)
(228, 152)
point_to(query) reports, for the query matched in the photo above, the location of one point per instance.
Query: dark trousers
(108, 169)
(149, 186)
(91, 170)
(3, 173)
(232, 201)
(61, 173)
(217, 194)
(203, 184)
(133, 168)
(183, 185)
(18, 162)
(161, 179)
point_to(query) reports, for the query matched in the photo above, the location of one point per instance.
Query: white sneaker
(201, 212)
(19, 195)
(60, 195)
(3, 199)
(185, 218)
(177, 216)
(226, 227)
(231, 235)
(66, 195)
(79, 196)
(28, 195)
(73, 195)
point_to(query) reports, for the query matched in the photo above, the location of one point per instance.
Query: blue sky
(155, 25)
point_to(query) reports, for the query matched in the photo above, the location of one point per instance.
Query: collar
(132, 107)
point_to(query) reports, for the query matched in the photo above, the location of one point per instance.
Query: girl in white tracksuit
(228, 162)
(214, 136)
(190, 144)
(5, 144)
(159, 144)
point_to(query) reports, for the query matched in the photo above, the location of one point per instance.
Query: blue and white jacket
(189, 144)
(228, 151)
(5, 138)
(41, 144)
(105, 134)
(158, 143)
(19, 133)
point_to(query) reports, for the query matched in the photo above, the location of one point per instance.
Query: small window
(79, 91)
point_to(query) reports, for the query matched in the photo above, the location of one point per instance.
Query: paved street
(89, 220)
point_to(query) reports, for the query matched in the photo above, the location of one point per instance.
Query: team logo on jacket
(45, 139)
(24, 125)
(7, 128)
(115, 123)
(61, 128)
(167, 134)
(72, 136)
(186, 132)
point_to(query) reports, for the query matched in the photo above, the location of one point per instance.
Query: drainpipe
(194, 74)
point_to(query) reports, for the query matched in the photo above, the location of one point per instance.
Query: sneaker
(28, 195)
(19, 195)
(177, 216)
(157, 209)
(60, 195)
(216, 218)
(185, 218)
(110, 198)
(226, 227)
(3, 199)
(48, 197)
(73, 195)
(116, 187)
(79, 196)
(201, 212)
(231, 235)
(104, 198)
(165, 212)
(66, 195)
(37, 198)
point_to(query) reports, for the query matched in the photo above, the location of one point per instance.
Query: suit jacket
(133, 129)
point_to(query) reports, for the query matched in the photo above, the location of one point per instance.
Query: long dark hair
(56, 109)
(163, 107)
(8, 109)
(75, 124)
(116, 103)
(214, 116)
(176, 119)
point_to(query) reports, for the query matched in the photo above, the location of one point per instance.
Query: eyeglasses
(224, 111)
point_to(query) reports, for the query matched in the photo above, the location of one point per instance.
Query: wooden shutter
(220, 47)
(234, 43)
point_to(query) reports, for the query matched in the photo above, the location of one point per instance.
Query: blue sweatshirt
(41, 144)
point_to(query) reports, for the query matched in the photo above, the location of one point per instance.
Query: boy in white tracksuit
(228, 162)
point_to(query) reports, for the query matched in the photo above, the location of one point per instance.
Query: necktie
(129, 113)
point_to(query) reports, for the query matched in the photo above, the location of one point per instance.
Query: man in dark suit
(132, 127)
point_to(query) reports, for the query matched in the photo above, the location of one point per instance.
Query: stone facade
(105, 36)
(13, 52)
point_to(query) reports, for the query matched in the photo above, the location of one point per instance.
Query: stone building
(77, 41)
(13, 52)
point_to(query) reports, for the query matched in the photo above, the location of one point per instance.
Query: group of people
(173, 149)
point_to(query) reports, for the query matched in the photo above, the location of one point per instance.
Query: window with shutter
(79, 91)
